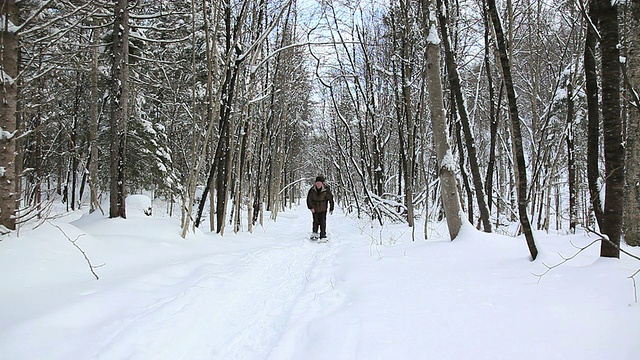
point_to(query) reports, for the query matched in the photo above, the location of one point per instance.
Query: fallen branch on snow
(601, 237)
(73, 242)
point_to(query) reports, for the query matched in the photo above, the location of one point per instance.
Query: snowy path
(227, 305)
(215, 314)
(369, 293)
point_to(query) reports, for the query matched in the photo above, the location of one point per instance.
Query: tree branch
(73, 242)
(601, 237)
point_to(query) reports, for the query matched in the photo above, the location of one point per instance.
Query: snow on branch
(390, 208)
(49, 24)
(266, 33)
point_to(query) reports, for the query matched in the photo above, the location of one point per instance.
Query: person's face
(318, 184)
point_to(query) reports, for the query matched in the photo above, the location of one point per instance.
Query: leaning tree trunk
(521, 168)
(119, 109)
(8, 101)
(493, 117)
(593, 114)
(631, 223)
(612, 128)
(463, 172)
(456, 89)
(446, 167)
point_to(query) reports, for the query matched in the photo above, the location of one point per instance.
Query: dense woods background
(510, 111)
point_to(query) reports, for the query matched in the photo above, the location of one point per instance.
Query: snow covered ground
(368, 293)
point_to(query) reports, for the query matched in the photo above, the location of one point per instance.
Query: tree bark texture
(8, 100)
(593, 115)
(631, 222)
(93, 127)
(571, 160)
(493, 114)
(119, 109)
(612, 128)
(456, 89)
(518, 152)
(406, 71)
(446, 171)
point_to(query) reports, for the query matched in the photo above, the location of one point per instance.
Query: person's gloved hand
(330, 212)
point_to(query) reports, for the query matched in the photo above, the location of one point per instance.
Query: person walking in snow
(319, 200)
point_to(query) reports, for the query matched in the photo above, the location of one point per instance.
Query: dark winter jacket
(320, 199)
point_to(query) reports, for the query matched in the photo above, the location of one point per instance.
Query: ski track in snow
(253, 300)
(228, 306)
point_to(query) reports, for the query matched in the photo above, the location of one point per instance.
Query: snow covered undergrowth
(366, 294)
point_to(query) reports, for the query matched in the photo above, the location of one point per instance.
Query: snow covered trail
(369, 293)
(233, 303)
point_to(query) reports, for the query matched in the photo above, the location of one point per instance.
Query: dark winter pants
(320, 221)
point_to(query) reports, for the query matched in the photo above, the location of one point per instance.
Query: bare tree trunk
(521, 168)
(593, 114)
(456, 89)
(222, 153)
(211, 103)
(406, 77)
(449, 190)
(404, 112)
(73, 142)
(38, 160)
(197, 159)
(631, 223)
(93, 126)
(571, 160)
(9, 20)
(493, 113)
(612, 128)
(457, 128)
(119, 109)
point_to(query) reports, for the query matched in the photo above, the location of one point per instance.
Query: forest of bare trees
(493, 112)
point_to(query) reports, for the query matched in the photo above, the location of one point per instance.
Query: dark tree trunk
(222, 156)
(631, 222)
(493, 114)
(571, 161)
(457, 130)
(93, 127)
(404, 109)
(75, 163)
(456, 89)
(612, 128)
(119, 109)
(521, 169)
(223, 152)
(593, 114)
(8, 122)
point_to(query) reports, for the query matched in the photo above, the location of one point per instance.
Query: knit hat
(320, 178)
